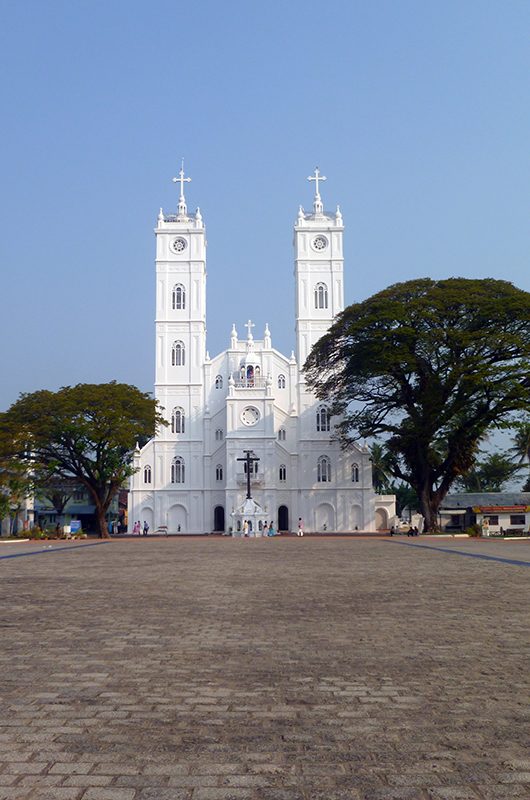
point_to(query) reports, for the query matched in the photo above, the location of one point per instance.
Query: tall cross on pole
(182, 180)
(249, 460)
(317, 205)
(249, 325)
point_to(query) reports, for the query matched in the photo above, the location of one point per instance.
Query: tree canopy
(430, 366)
(490, 473)
(87, 432)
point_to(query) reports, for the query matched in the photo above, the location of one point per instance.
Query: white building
(248, 397)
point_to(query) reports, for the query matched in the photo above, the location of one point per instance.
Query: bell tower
(180, 308)
(319, 290)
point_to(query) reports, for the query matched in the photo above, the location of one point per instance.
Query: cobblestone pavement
(286, 669)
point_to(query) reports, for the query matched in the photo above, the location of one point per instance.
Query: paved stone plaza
(286, 669)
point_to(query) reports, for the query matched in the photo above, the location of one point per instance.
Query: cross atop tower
(249, 325)
(317, 205)
(182, 209)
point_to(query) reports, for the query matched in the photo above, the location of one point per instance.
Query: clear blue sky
(417, 111)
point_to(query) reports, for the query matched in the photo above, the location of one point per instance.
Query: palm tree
(521, 448)
(380, 458)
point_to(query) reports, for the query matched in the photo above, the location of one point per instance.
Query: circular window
(178, 245)
(250, 415)
(320, 243)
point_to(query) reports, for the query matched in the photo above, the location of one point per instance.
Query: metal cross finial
(249, 325)
(181, 179)
(317, 177)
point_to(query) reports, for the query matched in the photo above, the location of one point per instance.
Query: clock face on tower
(178, 245)
(320, 243)
(250, 415)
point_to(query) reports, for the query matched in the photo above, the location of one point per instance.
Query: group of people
(138, 530)
(266, 530)
(412, 531)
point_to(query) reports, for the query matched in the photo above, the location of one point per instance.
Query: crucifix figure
(249, 325)
(249, 460)
(182, 180)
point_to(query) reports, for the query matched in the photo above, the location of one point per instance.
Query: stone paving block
(28, 767)
(88, 781)
(109, 794)
(164, 794)
(453, 793)
(71, 768)
(222, 794)
(515, 777)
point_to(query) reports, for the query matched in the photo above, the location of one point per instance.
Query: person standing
(300, 527)
(146, 528)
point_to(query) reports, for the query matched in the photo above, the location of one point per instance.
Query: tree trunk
(429, 509)
(102, 523)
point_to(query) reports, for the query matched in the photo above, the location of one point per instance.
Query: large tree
(16, 487)
(430, 366)
(86, 432)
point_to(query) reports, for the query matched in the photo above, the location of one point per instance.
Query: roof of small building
(470, 499)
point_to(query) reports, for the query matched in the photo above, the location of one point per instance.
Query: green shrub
(474, 530)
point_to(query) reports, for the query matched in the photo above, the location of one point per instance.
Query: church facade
(192, 477)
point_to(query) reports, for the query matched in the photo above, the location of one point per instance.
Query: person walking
(300, 531)
(146, 528)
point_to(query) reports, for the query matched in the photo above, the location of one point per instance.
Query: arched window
(355, 473)
(179, 296)
(219, 434)
(281, 381)
(323, 470)
(282, 472)
(250, 375)
(323, 419)
(219, 382)
(219, 472)
(281, 435)
(147, 474)
(178, 355)
(177, 470)
(321, 295)
(177, 420)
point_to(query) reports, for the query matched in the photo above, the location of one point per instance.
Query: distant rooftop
(469, 499)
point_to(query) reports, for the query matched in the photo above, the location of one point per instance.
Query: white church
(243, 422)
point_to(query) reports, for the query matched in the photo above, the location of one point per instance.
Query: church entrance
(219, 518)
(283, 519)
